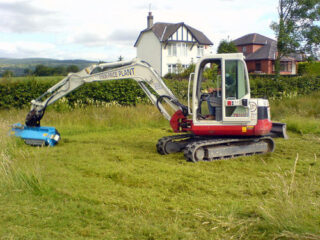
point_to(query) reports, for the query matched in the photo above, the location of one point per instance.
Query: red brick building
(261, 52)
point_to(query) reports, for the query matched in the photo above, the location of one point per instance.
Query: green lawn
(105, 180)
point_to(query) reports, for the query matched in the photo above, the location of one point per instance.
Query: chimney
(150, 20)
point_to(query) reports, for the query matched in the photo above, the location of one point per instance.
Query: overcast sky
(105, 29)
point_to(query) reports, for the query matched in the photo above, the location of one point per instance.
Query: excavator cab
(221, 91)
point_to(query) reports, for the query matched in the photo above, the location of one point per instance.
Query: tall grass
(293, 211)
(301, 113)
(13, 175)
(106, 116)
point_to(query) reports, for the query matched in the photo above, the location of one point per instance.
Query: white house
(168, 45)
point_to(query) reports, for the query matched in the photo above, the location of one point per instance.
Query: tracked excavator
(240, 126)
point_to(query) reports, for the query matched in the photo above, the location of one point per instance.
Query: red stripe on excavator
(179, 123)
(263, 127)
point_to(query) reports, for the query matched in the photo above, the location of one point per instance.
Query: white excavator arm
(135, 69)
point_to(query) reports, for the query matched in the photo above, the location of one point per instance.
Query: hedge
(283, 87)
(309, 68)
(263, 87)
(18, 94)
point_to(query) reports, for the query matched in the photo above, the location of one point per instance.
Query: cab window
(235, 79)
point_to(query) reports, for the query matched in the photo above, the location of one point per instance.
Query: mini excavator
(241, 125)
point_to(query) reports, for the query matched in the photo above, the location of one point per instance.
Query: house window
(172, 68)
(244, 49)
(286, 66)
(200, 51)
(184, 50)
(258, 66)
(177, 68)
(172, 49)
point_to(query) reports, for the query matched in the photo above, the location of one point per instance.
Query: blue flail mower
(36, 136)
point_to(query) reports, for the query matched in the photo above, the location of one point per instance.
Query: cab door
(236, 93)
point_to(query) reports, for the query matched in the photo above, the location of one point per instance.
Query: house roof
(253, 39)
(268, 49)
(164, 31)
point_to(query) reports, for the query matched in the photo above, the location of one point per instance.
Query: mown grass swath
(105, 180)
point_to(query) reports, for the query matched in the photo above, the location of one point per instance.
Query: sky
(103, 29)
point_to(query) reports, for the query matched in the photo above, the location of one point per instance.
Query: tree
(190, 69)
(59, 71)
(297, 29)
(7, 74)
(27, 72)
(42, 70)
(226, 46)
(180, 69)
(73, 68)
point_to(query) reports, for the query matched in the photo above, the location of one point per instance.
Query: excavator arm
(135, 69)
(147, 78)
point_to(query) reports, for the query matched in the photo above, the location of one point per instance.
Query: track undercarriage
(205, 148)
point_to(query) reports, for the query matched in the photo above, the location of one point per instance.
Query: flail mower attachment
(32, 133)
(36, 136)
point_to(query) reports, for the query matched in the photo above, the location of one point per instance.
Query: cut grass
(105, 180)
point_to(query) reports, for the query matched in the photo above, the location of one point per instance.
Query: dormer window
(184, 50)
(172, 49)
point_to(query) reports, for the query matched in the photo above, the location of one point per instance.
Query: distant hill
(18, 66)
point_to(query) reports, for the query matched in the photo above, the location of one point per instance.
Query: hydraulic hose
(183, 108)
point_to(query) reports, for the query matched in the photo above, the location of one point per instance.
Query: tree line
(42, 70)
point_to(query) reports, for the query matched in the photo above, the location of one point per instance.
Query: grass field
(26, 78)
(105, 180)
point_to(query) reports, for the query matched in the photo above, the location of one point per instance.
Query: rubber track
(162, 142)
(190, 149)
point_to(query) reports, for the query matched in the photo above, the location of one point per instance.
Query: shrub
(7, 74)
(284, 86)
(182, 75)
(19, 93)
(309, 68)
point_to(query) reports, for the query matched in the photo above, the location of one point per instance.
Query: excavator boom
(146, 77)
(136, 69)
